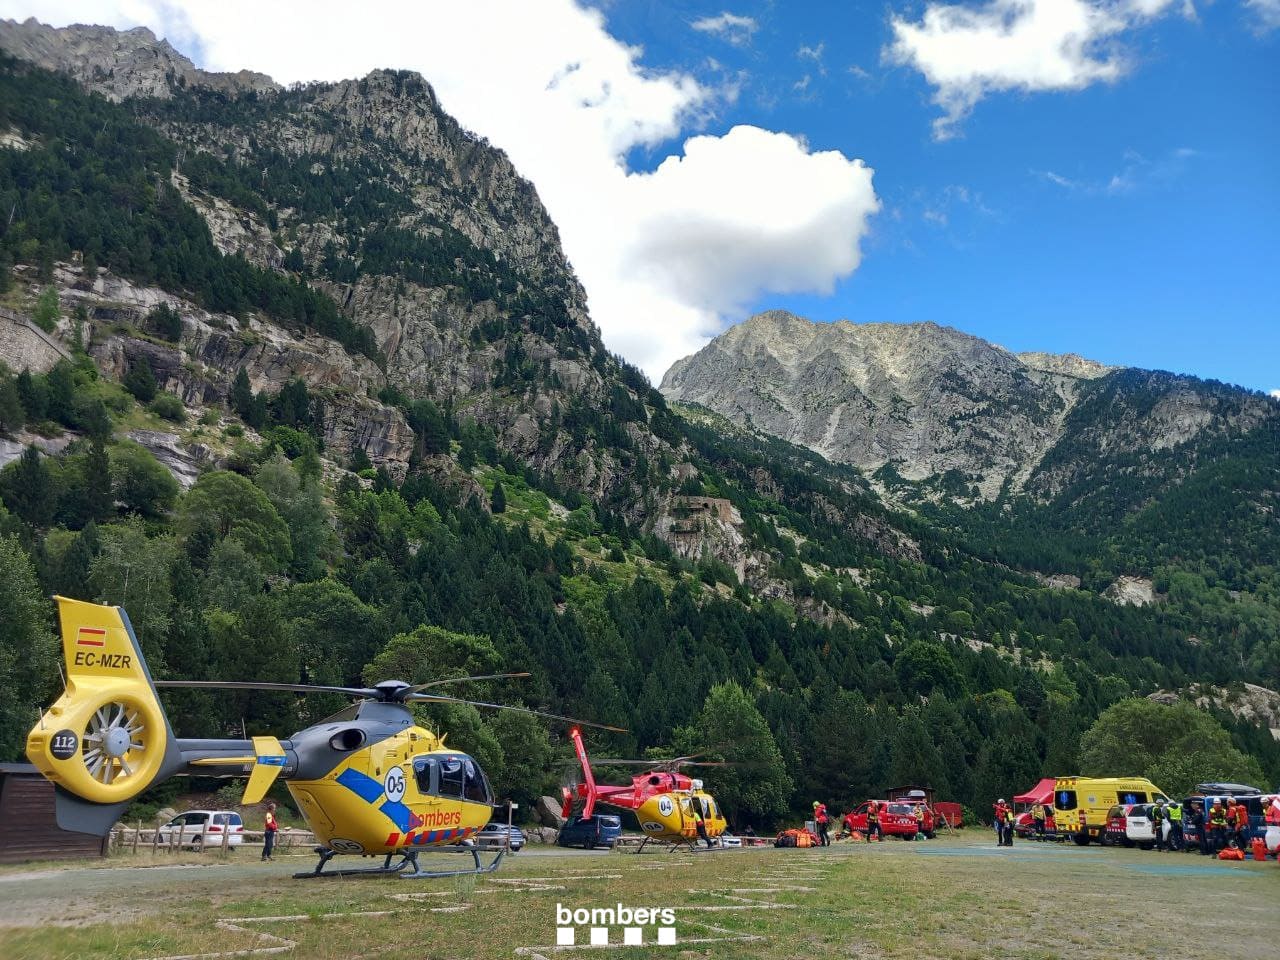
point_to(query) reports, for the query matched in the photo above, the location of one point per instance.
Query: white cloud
(667, 257)
(1266, 12)
(1136, 173)
(735, 29)
(967, 52)
(1275, 394)
(813, 53)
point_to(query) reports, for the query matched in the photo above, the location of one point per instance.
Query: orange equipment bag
(1231, 853)
(1259, 849)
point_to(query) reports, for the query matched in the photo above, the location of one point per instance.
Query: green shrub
(168, 407)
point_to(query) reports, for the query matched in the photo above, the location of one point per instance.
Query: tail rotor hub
(113, 732)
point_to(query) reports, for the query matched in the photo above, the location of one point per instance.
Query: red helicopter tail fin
(588, 787)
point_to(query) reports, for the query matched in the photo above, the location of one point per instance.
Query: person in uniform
(269, 831)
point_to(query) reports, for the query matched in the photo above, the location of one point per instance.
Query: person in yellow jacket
(1217, 825)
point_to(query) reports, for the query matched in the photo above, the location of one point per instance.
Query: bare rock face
(184, 463)
(1247, 701)
(929, 403)
(233, 230)
(200, 368)
(1133, 591)
(921, 398)
(477, 309)
(119, 64)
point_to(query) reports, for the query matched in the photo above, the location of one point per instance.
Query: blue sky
(1088, 176)
(1134, 222)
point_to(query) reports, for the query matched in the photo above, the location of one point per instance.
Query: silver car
(204, 828)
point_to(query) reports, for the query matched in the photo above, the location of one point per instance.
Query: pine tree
(359, 460)
(47, 311)
(241, 394)
(11, 413)
(28, 649)
(97, 471)
(140, 381)
(498, 501)
(29, 489)
(34, 395)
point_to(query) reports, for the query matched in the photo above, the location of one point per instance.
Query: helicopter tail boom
(106, 739)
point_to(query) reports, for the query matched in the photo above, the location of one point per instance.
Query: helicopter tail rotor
(106, 739)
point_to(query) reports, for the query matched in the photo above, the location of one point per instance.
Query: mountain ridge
(920, 400)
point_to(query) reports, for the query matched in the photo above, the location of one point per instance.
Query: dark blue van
(597, 830)
(1199, 804)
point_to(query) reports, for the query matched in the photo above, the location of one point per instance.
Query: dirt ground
(950, 898)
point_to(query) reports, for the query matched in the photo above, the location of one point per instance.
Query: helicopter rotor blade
(486, 676)
(438, 698)
(271, 687)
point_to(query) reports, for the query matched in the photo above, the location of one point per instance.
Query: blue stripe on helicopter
(397, 813)
(369, 790)
(272, 761)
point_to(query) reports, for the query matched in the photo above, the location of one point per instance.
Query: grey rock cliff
(117, 63)
(923, 398)
(490, 321)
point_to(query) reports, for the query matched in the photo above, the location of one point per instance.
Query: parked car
(1253, 803)
(204, 828)
(494, 837)
(1114, 831)
(897, 818)
(597, 830)
(1130, 824)
(728, 840)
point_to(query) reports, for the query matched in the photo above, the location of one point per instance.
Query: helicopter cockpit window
(422, 770)
(477, 787)
(452, 777)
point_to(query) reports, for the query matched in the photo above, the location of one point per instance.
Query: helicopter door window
(423, 772)
(477, 788)
(452, 777)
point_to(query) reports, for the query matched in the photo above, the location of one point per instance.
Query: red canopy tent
(1042, 792)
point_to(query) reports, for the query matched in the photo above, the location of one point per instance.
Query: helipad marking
(278, 944)
(739, 903)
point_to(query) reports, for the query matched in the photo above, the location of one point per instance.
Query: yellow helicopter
(668, 804)
(369, 781)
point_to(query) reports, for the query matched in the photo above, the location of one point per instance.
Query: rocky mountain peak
(921, 398)
(118, 63)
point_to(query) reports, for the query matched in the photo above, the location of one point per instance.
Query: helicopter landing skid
(408, 862)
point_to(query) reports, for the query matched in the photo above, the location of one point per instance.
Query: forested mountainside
(1092, 477)
(413, 457)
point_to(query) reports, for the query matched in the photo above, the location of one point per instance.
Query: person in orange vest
(821, 818)
(1272, 817)
(999, 811)
(1239, 823)
(873, 822)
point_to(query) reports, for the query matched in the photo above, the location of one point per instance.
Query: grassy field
(953, 898)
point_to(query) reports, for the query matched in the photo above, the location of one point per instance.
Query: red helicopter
(667, 803)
